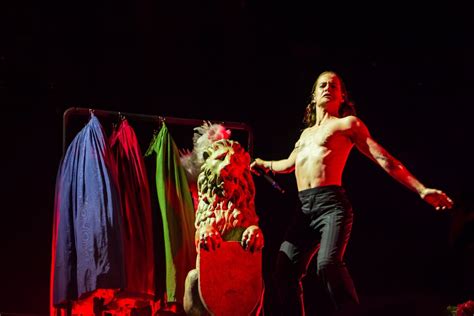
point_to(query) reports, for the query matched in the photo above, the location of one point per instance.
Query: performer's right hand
(258, 164)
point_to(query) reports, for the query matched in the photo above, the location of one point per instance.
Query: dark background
(408, 68)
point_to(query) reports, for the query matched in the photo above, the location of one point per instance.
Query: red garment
(137, 213)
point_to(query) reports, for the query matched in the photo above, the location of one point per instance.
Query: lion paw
(252, 239)
(209, 238)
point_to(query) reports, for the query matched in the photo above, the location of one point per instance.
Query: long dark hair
(347, 106)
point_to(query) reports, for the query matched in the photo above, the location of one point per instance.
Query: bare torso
(322, 152)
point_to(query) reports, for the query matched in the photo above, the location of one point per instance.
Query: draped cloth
(177, 213)
(136, 212)
(87, 234)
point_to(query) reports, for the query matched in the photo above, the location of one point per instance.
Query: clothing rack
(83, 112)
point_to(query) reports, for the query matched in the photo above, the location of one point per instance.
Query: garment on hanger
(177, 213)
(87, 234)
(136, 213)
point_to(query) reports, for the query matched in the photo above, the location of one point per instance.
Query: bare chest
(329, 138)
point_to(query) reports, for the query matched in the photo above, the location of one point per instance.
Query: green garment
(177, 212)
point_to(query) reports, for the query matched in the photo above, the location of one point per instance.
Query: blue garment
(88, 251)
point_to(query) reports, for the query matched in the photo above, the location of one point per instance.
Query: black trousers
(321, 229)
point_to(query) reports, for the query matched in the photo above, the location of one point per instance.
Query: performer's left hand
(437, 198)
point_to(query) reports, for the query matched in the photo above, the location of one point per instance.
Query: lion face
(224, 167)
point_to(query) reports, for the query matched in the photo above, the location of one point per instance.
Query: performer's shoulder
(305, 131)
(302, 135)
(352, 121)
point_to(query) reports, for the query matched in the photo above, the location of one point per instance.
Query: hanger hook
(121, 116)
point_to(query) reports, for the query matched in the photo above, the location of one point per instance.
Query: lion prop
(225, 208)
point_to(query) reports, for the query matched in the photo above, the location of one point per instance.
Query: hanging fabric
(87, 234)
(177, 213)
(136, 213)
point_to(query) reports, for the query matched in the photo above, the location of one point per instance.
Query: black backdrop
(408, 68)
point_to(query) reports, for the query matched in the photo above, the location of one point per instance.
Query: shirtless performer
(325, 223)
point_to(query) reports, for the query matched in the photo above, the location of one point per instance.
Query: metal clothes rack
(82, 112)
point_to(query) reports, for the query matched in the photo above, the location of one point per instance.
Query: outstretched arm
(278, 166)
(370, 148)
